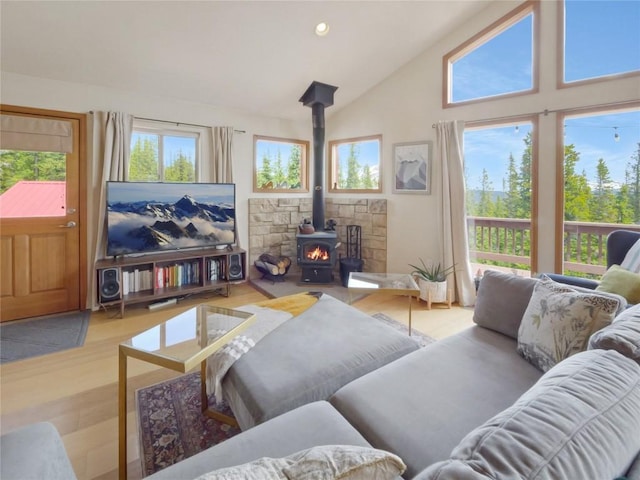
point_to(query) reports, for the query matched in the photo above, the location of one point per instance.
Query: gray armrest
(575, 281)
(34, 452)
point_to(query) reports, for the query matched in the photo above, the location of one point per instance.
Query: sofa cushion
(420, 406)
(622, 335)
(559, 321)
(502, 300)
(326, 462)
(623, 282)
(580, 420)
(314, 424)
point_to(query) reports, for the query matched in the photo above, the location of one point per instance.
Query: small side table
(388, 283)
(180, 344)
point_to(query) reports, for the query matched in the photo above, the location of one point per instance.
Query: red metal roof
(33, 199)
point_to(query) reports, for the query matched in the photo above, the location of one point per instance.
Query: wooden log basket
(272, 267)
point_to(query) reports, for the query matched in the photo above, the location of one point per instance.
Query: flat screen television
(145, 217)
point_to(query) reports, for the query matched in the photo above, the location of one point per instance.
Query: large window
(354, 165)
(164, 155)
(600, 39)
(601, 185)
(499, 178)
(499, 61)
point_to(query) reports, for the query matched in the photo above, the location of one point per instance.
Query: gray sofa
(471, 407)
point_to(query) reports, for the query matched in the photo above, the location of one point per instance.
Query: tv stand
(150, 278)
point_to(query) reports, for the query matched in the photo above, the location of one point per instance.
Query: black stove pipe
(318, 96)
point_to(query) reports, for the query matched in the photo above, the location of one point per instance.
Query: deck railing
(508, 240)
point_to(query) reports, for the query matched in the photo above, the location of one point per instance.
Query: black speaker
(235, 266)
(109, 285)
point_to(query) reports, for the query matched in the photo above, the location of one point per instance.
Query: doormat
(33, 337)
(421, 338)
(171, 425)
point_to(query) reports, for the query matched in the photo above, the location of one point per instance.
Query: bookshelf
(149, 278)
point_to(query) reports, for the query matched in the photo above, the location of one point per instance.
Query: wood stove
(317, 254)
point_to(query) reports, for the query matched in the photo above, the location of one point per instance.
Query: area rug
(33, 337)
(171, 426)
(420, 337)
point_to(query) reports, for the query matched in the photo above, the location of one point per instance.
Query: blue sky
(173, 146)
(602, 38)
(169, 192)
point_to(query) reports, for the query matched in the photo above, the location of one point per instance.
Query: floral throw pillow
(559, 321)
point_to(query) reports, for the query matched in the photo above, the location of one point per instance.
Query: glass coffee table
(180, 343)
(389, 283)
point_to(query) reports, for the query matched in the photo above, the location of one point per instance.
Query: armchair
(618, 244)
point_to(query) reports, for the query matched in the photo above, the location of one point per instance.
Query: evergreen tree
(512, 201)
(603, 201)
(353, 168)
(279, 177)
(524, 185)
(181, 170)
(623, 205)
(16, 165)
(265, 175)
(367, 179)
(143, 162)
(485, 204)
(576, 188)
(633, 183)
(293, 167)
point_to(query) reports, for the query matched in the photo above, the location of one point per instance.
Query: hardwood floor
(77, 389)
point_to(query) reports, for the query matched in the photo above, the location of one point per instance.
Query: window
(280, 165)
(354, 165)
(499, 179)
(164, 155)
(600, 187)
(600, 39)
(498, 61)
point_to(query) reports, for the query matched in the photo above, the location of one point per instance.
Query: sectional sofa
(475, 405)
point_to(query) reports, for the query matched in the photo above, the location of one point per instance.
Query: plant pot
(433, 292)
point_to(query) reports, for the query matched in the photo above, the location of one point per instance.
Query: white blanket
(218, 364)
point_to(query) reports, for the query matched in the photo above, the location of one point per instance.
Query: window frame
(514, 16)
(304, 164)
(332, 172)
(174, 130)
(560, 55)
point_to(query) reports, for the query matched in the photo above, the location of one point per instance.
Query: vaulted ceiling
(255, 56)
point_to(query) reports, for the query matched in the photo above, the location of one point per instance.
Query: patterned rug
(171, 426)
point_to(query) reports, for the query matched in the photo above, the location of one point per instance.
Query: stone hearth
(273, 224)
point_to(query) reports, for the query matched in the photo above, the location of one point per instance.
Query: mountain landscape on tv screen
(146, 226)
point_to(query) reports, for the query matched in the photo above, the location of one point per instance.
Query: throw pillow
(631, 261)
(623, 282)
(344, 462)
(502, 300)
(328, 462)
(623, 335)
(559, 321)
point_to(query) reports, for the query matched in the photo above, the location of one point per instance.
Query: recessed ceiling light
(322, 29)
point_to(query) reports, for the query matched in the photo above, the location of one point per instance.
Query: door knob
(70, 224)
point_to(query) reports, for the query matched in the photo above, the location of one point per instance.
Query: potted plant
(432, 281)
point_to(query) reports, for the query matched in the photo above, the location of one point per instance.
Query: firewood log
(269, 267)
(267, 258)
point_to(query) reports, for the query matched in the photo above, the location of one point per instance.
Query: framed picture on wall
(412, 167)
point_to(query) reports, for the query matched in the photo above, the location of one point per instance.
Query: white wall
(404, 107)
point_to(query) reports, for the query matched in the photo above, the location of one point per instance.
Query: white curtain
(112, 146)
(449, 149)
(221, 166)
(222, 154)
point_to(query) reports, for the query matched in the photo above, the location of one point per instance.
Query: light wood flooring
(77, 389)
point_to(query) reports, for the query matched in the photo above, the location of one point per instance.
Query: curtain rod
(177, 124)
(546, 112)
